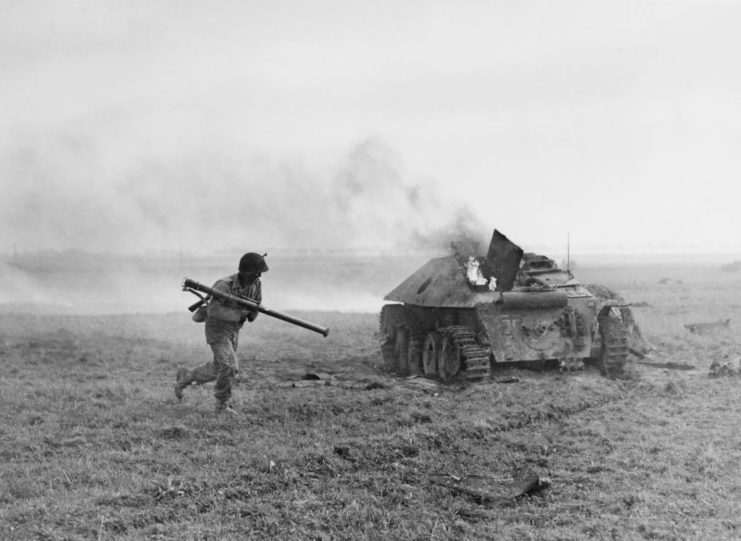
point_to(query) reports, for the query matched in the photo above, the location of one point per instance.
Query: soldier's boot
(182, 380)
(225, 407)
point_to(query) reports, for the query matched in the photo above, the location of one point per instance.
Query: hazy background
(190, 129)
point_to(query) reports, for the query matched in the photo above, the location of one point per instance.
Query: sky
(388, 126)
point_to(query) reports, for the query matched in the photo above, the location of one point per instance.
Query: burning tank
(458, 316)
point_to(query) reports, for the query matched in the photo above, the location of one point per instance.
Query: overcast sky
(211, 126)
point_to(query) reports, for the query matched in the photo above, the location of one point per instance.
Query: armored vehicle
(458, 316)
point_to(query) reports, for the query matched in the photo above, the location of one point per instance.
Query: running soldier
(223, 323)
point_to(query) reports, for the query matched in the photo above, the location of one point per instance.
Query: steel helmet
(253, 262)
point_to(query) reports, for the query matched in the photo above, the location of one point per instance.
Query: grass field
(95, 446)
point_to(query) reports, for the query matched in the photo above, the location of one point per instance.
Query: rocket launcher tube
(193, 286)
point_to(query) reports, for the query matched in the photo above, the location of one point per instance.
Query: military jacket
(224, 319)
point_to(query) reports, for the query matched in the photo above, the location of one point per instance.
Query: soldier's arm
(257, 297)
(218, 309)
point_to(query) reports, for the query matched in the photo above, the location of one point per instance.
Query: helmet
(252, 262)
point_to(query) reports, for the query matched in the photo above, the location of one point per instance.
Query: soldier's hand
(249, 315)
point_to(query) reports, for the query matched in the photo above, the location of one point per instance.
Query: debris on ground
(479, 495)
(701, 328)
(645, 360)
(528, 482)
(489, 489)
(730, 368)
(341, 450)
(173, 489)
(311, 383)
(675, 388)
(423, 383)
(35, 420)
(313, 379)
(668, 365)
(344, 453)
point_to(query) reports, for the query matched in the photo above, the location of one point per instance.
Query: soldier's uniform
(223, 323)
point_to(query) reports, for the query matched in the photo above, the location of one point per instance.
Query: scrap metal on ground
(727, 368)
(491, 489)
(706, 327)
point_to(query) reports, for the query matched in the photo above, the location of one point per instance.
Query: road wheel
(633, 333)
(450, 357)
(461, 355)
(430, 351)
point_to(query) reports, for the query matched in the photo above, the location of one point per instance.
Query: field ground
(95, 446)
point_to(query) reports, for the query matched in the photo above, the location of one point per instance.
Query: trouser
(223, 369)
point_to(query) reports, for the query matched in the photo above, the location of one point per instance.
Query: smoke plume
(68, 192)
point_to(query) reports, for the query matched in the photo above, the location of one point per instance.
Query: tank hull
(529, 328)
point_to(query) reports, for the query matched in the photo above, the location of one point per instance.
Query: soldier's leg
(202, 374)
(225, 360)
(198, 375)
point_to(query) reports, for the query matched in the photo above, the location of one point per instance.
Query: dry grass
(94, 445)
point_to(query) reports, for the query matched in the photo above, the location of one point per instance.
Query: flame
(473, 272)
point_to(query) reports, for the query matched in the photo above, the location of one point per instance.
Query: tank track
(614, 353)
(634, 336)
(476, 364)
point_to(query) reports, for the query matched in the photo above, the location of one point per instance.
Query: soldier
(223, 323)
